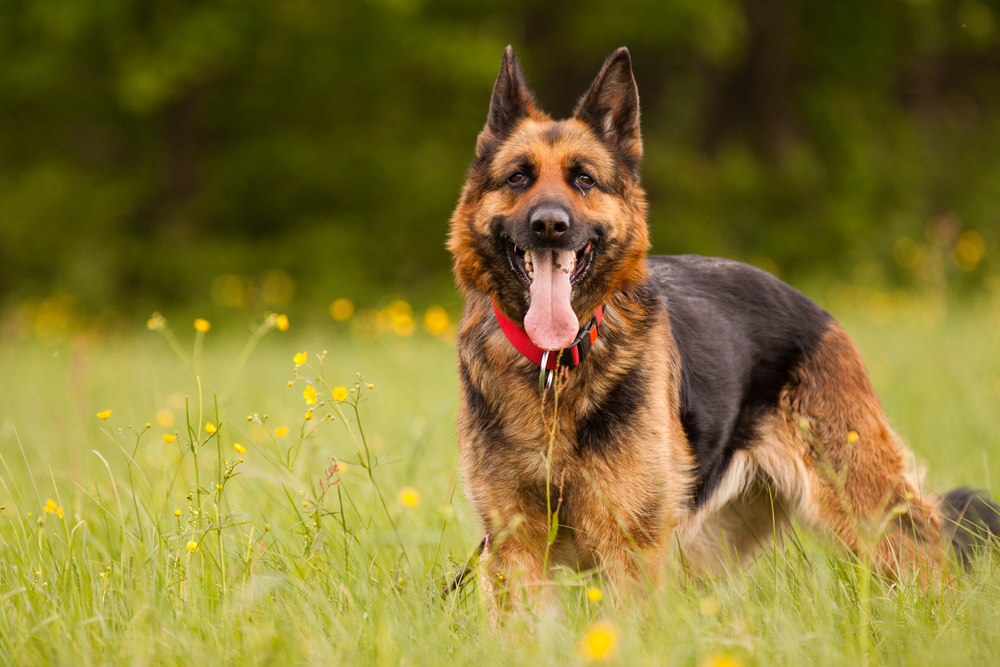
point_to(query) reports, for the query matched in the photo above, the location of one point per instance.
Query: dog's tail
(971, 519)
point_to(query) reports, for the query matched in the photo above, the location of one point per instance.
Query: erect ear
(611, 108)
(511, 103)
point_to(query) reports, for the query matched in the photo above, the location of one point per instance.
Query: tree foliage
(146, 148)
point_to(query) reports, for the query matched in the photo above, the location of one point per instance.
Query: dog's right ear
(512, 102)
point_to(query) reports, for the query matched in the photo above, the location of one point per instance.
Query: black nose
(549, 222)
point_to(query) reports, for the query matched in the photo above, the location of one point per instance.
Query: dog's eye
(585, 181)
(516, 178)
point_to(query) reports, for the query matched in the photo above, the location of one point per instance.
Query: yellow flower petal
(191, 547)
(281, 431)
(169, 438)
(300, 358)
(310, 395)
(852, 437)
(340, 394)
(104, 415)
(202, 325)
(594, 594)
(599, 641)
(282, 323)
(720, 660)
(210, 427)
(410, 497)
(309, 414)
(177, 512)
(240, 449)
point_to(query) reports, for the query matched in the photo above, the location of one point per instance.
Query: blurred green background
(252, 156)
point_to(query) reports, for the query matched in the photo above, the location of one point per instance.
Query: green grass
(112, 581)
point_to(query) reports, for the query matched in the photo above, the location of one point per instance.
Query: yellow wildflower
(169, 438)
(852, 437)
(300, 358)
(191, 546)
(305, 504)
(104, 415)
(165, 418)
(210, 427)
(720, 660)
(218, 487)
(436, 320)
(281, 431)
(341, 467)
(177, 512)
(342, 309)
(282, 323)
(309, 414)
(340, 394)
(240, 449)
(290, 383)
(599, 641)
(51, 506)
(310, 395)
(410, 497)
(594, 594)
(202, 325)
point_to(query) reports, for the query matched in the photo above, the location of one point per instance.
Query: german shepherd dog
(620, 410)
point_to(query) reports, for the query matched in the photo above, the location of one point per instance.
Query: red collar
(571, 357)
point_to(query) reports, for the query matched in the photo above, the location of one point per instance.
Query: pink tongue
(551, 323)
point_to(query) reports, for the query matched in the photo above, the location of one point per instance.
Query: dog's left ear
(611, 108)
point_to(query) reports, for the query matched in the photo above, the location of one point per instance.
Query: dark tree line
(148, 147)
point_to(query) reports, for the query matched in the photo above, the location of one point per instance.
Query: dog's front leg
(511, 577)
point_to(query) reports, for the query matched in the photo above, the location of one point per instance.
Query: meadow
(159, 508)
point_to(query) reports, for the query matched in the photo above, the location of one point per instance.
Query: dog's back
(740, 332)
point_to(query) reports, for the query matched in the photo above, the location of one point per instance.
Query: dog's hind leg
(845, 472)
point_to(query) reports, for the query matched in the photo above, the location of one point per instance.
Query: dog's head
(552, 218)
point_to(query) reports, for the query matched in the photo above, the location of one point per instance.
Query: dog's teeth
(527, 257)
